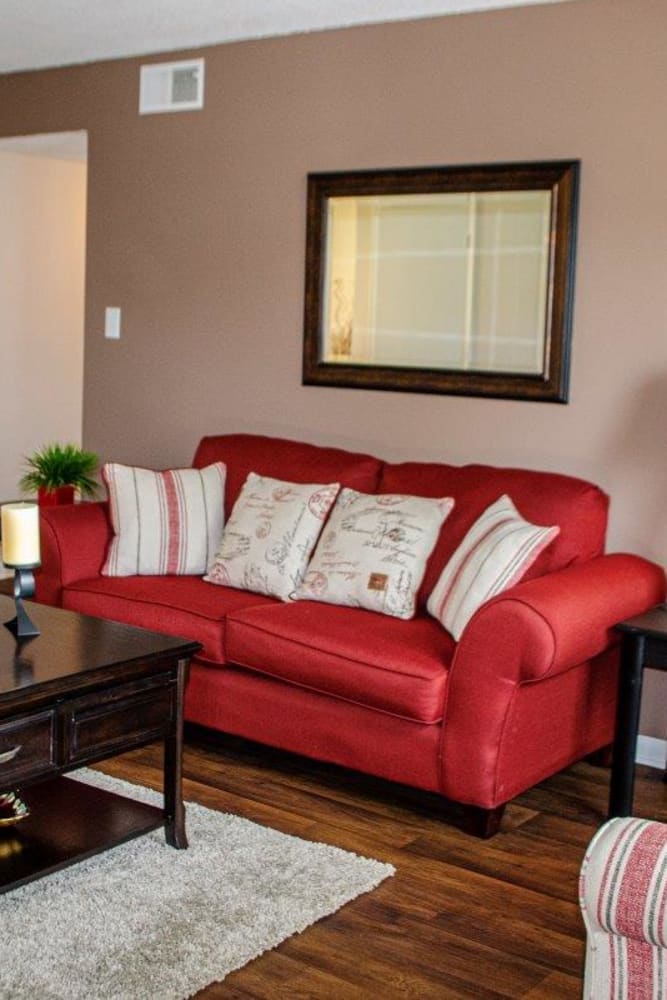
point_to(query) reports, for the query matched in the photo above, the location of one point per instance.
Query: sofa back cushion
(280, 458)
(577, 507)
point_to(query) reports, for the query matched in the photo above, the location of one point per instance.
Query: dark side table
(643, 644)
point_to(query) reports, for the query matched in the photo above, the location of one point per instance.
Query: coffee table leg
(627, 725)
(174, 811)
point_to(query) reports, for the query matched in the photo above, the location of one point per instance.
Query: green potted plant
(55, 471)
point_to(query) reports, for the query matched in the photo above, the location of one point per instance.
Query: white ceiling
(40, 33)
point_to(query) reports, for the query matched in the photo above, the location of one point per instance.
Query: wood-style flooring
(462, 918)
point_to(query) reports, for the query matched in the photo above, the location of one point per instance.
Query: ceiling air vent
(176, 86)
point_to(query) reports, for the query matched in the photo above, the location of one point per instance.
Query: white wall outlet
(112, 322)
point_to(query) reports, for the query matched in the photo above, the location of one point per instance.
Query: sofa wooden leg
(601, 757)
(483, 823)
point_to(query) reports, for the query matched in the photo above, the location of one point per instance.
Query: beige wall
(42, 246)
(196, 229)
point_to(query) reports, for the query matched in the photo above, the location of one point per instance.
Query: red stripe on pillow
(183, 533)
(163, 524)
(173, 523)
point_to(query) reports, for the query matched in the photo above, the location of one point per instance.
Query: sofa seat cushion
(175, 605)
(393, 666)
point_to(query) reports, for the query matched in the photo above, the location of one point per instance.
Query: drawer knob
(8, 755)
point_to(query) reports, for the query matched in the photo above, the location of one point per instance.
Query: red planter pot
(54, 498)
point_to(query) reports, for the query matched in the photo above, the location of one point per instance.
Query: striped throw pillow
(496, 552)
(164, 522)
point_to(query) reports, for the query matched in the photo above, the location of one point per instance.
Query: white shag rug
(144, 921)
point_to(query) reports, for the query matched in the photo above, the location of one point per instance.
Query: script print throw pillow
(270, 534)
(164, 522)
(494, 555)
(373, 551)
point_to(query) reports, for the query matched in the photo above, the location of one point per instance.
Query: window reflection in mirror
(467, 290)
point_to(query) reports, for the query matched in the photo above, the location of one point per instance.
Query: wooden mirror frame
(560, 177)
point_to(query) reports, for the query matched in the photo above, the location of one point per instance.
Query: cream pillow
(270, 535)
(494, 555)
(373, 551)
(164, 522)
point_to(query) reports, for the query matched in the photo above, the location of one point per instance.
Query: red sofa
(528, 689)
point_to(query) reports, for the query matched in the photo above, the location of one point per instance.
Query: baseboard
(652, 752)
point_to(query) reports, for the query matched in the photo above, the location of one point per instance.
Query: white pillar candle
(20, 534)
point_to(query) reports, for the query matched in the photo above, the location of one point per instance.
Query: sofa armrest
(74, 541)
(533, 633)
(550, 624)
(623, 878)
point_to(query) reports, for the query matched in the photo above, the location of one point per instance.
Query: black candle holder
(24, 586)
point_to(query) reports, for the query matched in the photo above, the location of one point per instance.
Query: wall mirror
(447, 280)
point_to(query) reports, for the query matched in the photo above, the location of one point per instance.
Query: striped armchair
(623, 897)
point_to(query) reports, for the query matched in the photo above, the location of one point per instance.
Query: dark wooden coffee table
(82, 691)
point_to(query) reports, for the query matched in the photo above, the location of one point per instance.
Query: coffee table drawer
(27, 747)
(138, 712)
